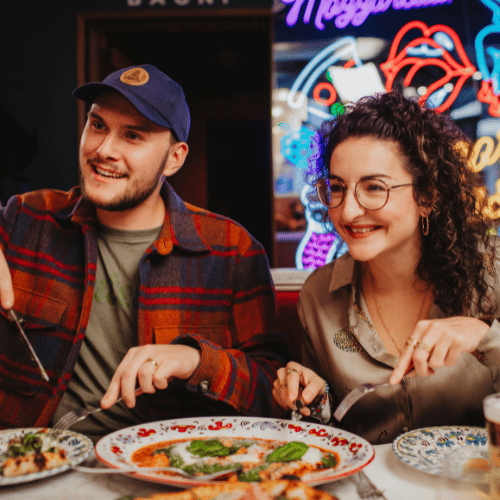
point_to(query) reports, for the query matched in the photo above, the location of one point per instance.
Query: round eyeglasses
(371, 194)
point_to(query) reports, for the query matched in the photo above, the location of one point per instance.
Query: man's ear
(176, 156)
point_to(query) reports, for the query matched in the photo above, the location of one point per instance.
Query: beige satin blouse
(341, 345)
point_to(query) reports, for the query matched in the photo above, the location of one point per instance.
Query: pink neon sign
(454, 71)
(347, 12)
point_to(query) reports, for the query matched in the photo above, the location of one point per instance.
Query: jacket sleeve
(243, 374)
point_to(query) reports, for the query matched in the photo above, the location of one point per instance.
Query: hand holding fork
(74, 416)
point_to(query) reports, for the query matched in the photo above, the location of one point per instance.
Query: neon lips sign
(347, 12)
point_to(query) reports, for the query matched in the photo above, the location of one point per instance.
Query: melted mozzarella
(312, 456)
(187, 457)
(253, 455)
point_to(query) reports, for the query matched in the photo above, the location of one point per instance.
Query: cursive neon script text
(348, 12)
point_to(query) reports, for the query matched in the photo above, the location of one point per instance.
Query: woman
(420, 272)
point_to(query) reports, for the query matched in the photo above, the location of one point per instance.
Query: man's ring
(423, 346)
(290, 370)
(411, 342)
(149, 360)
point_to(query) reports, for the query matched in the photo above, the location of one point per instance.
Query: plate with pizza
(35, 453)
(263, 449)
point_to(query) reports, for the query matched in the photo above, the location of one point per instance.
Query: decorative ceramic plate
(77, 447)
(451, 452)
(116, 449)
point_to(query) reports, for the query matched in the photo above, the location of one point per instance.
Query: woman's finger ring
(149, 360)
(290, 370)
(411, 342)
(423, 346)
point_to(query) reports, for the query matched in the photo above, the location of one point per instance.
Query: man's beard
(133, 195)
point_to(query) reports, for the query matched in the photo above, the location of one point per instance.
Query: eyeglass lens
(370, 193)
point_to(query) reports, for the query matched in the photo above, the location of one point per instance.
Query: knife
(13, 318)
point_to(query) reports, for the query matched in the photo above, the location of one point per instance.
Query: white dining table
(386, 471)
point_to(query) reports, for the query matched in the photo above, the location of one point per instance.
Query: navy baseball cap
(155, 95)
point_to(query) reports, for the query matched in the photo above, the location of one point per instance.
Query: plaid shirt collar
(178, 229)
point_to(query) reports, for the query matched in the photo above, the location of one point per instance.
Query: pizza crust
(291, 489)
(35, 462)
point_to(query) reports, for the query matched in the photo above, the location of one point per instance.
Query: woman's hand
(438, 342)
(288, 387)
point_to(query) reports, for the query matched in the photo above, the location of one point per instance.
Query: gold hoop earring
(425, 225)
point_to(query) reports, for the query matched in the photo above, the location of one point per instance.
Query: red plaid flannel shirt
(204, 282)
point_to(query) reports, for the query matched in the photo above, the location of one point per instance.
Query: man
(122, 285)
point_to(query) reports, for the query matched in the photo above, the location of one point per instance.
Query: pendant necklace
(380, 314)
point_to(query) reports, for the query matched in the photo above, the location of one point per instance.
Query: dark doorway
(224, 66)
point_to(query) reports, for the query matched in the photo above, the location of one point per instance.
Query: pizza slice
(34, 462)
(282, 489)
(30, 453)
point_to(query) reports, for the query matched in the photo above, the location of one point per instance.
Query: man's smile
(105, 172)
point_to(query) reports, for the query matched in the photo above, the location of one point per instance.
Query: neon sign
(484, 154)
(347, 12)
(318, 246)
(316, 66)
(296, 146)
(490, 87)
(431, 49)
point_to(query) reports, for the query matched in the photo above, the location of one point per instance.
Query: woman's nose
(351, 207)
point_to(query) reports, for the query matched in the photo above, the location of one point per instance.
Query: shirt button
(203, 386)
(405, 429)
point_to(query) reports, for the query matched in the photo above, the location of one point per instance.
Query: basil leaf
(167, 451)
(252, 475)
(288, 452)
(329, 461)
(209, 448)
(208, 468)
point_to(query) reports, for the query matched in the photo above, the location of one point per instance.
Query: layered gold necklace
(381, 317)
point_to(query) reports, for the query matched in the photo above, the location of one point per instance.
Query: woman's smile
(361, 231)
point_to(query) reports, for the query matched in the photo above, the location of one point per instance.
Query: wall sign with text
(343, 12)
(197, 3)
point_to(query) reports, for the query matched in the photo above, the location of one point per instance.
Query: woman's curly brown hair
(438, 153)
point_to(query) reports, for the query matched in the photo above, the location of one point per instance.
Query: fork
(74, 416)
(299, 404)
(126, 470)
(354, 396)
(296, 415)
(365, 488)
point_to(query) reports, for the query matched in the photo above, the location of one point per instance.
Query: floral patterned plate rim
(355, 453)
(77, 447)
(444, 451)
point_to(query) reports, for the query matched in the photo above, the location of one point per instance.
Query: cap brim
(89, 91)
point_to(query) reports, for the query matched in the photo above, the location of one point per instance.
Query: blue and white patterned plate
(444, 451)
(355, 453)
(77, 447)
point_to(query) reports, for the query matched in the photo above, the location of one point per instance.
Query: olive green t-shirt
(111, 332)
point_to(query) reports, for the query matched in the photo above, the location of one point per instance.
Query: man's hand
(6, 290)
(152, 366)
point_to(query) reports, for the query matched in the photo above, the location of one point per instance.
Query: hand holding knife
(11, 315)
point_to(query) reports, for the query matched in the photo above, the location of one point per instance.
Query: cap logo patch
(135, 76)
